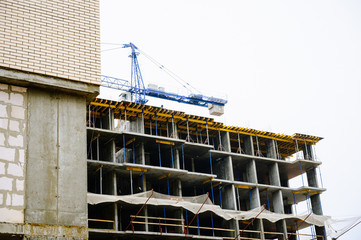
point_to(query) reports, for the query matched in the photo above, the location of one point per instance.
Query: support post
(132, 219)
(186, 229)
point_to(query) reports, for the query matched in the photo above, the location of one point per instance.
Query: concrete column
(145, 208)
(312, 177)
(233, 224)
(226, 142)
(307, 151)
(172, 129)
(116, 223)
(248, 145)
(311, 174)
(181, 216)
(223, 168)
(271, 148)
(176, 159)
(140, 155)
(107, 151)
(229, 197)
(178, 213)
(137, 125)
(56, 169)
(312, 182)
(252, 177)
(317, 209)
(108, 120)
(252, 172)
(274, 177)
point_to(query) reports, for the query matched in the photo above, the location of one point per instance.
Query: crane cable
(170, 73)
(110, 49)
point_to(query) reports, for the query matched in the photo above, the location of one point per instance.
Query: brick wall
(58, 38)
(12, 152)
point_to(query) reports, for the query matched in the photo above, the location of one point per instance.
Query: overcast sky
(285, 66)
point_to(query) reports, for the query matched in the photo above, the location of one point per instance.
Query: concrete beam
(26, 79)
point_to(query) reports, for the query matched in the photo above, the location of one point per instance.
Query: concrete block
(17, 200)
(8, 199)
(4, 97)
(16, 141)
(16, 99)
(4, 123)
(11, 229)
(3, 112)
(15, 170)
(3, 86)
(7, 154)
(2, 169)
(18, 89)
(14, 126)
(17, 112)
(6, 183)
(21, 156)
(2, 139)
(19, 185)
(11, 215)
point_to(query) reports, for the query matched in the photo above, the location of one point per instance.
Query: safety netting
(194, 204)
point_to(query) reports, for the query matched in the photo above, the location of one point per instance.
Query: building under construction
(173, 162)
(76, 167)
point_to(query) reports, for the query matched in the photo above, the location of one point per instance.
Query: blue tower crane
(139, 92)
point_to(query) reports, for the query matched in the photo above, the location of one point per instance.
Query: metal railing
(176, 222)
(103, 221)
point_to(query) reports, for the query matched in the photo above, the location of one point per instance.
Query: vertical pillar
(108, 120)
(172, 128)
(312, 182)
(140, 154)
(274, 178)
(176, 159)
(137, 125)
(224, 170)
(252, 177)
(144, 179)
(116, 223)
(179, 212)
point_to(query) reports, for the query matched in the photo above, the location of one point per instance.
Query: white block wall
(13, 108)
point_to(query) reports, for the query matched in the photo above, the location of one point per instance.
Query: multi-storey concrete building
(134, 148)
(76, 167)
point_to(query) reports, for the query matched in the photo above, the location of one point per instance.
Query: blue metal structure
(139, 91)
(137, 85)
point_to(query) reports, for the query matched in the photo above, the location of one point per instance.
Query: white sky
(286, 67)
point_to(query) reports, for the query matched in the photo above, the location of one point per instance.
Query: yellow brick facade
(59, 38)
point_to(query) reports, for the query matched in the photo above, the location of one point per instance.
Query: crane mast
(137, 88)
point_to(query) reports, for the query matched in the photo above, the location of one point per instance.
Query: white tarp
(193, 204)
(337, 227)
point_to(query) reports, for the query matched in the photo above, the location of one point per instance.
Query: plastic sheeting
(193, 204)
(338, 226)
